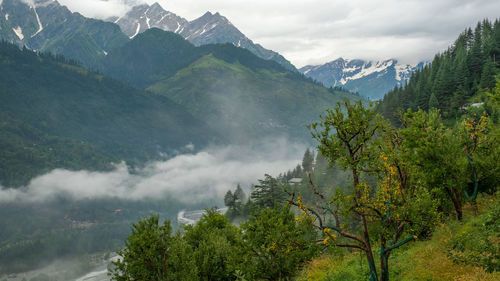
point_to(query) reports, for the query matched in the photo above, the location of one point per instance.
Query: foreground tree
(152, 253)
(436, 158)
(216, 246)
(384, 211)
(276, 244)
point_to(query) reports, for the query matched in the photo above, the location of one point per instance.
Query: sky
(318, 31)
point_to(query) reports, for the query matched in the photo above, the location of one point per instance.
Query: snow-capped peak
(371, 78)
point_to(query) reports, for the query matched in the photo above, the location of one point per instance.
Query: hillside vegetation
(78, 119)
(240, 95)
(465, 250)
(456, 78)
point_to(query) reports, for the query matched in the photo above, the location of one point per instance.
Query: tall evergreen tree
(433, 102)
(308, 160)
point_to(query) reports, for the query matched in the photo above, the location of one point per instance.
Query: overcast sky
(317, 31)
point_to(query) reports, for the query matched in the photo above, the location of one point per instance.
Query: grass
(420, 261)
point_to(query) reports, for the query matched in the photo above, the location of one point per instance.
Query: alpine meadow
(185, 140)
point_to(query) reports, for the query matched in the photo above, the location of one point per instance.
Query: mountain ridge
(372, 79)
(208, 29)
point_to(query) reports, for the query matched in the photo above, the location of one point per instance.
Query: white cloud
(316, 31)
(100, 9)
(190, 178)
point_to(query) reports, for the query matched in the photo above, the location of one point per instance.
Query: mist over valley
(144, 140)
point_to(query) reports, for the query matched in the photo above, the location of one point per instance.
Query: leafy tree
(152, 253)
(436, 157)
(276, 244)
(216, 245)
(384, 211)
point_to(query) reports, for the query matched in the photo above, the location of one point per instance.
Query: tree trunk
(457, 202)
(369, 253)
(371, 263)
(384, 263)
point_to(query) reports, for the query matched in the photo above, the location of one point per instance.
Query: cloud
(316, 31)
(190, 178)
(101, 9)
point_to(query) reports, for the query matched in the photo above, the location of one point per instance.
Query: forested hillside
(456, 78)
(238, 94)
(78, 119)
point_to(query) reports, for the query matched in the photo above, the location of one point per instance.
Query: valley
(148, 144)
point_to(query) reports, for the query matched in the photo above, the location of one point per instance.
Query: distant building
(465, 107)
(295, 180)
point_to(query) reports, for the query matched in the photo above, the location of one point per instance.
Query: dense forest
(378, 195)
(456, 78)
(78, 119)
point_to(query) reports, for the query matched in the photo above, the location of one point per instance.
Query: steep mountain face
(78, 119)
(369, 78)
(207, 29)
(239, 94)
(143, 17)
(45, 25)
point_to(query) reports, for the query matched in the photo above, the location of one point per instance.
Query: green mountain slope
(239, 94)
(75, 118)
(244, 103)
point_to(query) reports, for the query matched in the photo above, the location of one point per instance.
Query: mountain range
(371, 79)
(152, 95)
(239, 95)
(45, 25)
(207, 29)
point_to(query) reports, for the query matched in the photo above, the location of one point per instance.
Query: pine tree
(433, 102)
(308, 160)
(239, 195)
(229, 199)
(488, 80)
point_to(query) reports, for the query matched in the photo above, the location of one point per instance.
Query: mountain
(371, 79)
(207, 29)
(143, 17)
(45, 25)
(237, 93)
(77, 119)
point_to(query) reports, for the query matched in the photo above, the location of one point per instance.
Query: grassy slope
(423, 260)
(247, 101)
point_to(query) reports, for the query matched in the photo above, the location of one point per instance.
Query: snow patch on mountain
(137, 30)
(371, 79)
(19, 32)
(369, 69)
(40, 26)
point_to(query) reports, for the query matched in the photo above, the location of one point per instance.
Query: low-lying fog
(188, 177)
(81, 213)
